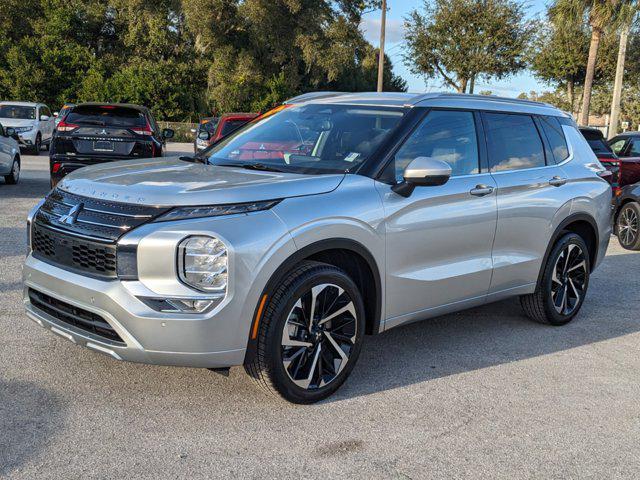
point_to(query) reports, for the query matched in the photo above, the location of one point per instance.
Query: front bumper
(149, 336)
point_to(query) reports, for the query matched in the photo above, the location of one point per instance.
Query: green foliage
(459, 40)
(184, 58)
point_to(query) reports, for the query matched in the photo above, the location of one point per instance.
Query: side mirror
(55, 114)
(423, 172)
(44, 118)
(9, 132)
(167, 133)
(193, 130)
(204, 135)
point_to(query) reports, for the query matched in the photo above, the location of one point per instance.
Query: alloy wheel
(15, 171)
(628, 226)
(319, 336)
(569, 279)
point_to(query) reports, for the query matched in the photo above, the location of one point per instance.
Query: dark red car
(230, 122)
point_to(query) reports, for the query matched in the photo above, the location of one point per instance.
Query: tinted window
(634, 149)
(16, 111)
(513, 142)
(598, 146)
(555, 137)
(230, 125)
(45, 111)
(107, 116)
(618, 145)
(444, 135)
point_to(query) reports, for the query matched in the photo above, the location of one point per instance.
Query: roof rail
(312, 96)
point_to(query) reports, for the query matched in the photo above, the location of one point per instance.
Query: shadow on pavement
(29, 418)
(494, 334)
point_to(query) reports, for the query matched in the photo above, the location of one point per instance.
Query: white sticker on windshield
(351, 157)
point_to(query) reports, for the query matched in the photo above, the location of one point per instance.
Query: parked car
(9, 155)
(206, 129)
(66, 108)
(93, 133)
(228, 123)
(32, 122)
(387, 209)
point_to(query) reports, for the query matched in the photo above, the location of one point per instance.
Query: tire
(35, 150)
(14, 176)
(306, 364)
(561, 290)
(628, 226)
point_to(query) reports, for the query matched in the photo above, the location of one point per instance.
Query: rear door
(46, 126)
(531, 190)
(439, 239)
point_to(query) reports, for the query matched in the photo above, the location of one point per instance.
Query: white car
(32, 122)
(9, 156)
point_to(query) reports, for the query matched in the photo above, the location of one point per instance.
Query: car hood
(16, 122)
(173, 182)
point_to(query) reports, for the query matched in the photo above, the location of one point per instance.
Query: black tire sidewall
(11, 179)
(553, 316)
(279, 377)
(635, 245)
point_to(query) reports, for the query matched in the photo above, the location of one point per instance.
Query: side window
(449, 136)
(618, 146)
(555, 137)
(44, 110)
(634, 148)
(513, 142)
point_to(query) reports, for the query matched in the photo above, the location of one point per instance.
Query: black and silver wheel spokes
(568, 279)
(628, 226)
(318, 336)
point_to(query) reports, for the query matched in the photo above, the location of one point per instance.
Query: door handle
(481, 190)
(557, 181)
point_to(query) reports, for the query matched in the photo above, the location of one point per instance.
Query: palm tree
(627, 17)
(602, 14)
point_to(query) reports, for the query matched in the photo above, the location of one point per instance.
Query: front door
(439, 239)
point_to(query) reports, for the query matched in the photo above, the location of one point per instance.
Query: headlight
(184, 213)
(202, 264)
(22, 129)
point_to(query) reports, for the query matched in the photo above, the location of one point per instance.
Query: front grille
(79, 254)
(80, 233)
(75, 316)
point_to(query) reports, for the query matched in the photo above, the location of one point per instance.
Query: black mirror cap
(168, 133)
(406, 187)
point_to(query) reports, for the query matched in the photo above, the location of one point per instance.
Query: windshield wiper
(251, 166)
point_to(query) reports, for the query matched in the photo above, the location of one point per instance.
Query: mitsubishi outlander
(282, 245)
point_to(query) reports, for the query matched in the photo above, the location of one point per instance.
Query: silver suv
(282, 245)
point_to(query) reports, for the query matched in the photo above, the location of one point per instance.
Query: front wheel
(310, 334)
(37, 146)
(14, 176)
(561, 289)
(628, 226)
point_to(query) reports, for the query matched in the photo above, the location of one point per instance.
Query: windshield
(16, 111)
(308, 139)
(107, 116)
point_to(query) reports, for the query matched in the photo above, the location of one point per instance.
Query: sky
(397, 10)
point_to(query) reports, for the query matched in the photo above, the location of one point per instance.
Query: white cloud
(394, 32)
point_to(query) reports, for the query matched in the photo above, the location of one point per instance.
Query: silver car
(32, 122)
(343, 215)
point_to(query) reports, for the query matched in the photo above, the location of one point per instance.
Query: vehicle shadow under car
(494, 334)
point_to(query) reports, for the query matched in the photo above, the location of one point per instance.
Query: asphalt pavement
(483, 393)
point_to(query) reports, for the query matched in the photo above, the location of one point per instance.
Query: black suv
(93, 133)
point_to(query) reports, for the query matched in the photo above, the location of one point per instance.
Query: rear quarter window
(555, 136)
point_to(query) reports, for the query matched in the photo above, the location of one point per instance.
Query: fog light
(202, 263)
(180, 305)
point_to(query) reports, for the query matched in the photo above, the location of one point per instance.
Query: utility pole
(617, 84)
(381, 52)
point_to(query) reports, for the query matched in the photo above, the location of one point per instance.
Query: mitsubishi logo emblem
(261, 147)
(103, 132)
(71, 217)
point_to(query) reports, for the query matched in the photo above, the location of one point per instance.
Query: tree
(461, 40)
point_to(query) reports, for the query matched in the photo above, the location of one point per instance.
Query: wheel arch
(347, 254)
(581, 224)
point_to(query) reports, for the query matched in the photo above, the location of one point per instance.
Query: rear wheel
(310, 335)
(628, 226)
(561, 290)
(14, 176)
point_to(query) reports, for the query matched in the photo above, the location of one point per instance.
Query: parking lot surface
(484, 393)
